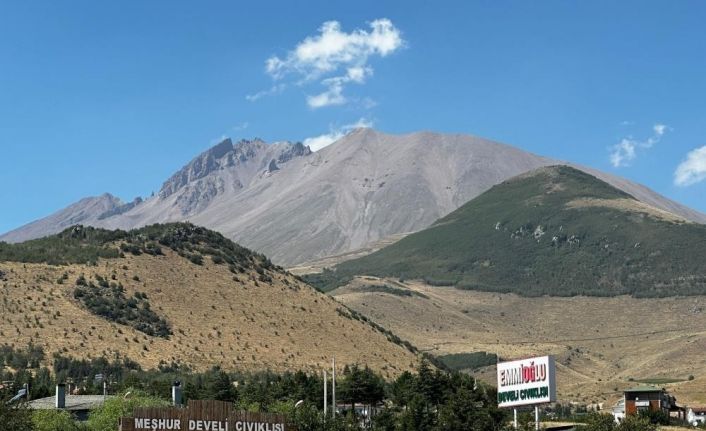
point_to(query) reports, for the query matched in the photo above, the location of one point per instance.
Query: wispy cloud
(625, 151)
(275, 89)
(334, 59)
(241, 126)
(693, 169)
(318, 142)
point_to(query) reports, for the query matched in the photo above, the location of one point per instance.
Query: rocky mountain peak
(221, 149)
(246, 149)
(199, 167)
(226, 154)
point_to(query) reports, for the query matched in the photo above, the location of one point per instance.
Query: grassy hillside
(554, 231)
(602, 345)
(180, 294)
(79, 244)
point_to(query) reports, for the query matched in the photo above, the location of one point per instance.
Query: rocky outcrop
(121, 209)
(296, 150)
(272, 166)
(199, 167)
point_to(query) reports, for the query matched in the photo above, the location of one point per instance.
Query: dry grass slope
(600, 343)
(217, 317)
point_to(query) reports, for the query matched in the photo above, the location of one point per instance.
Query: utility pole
(325, 396)
(333, 386)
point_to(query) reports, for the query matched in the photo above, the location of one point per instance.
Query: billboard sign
(526, 381)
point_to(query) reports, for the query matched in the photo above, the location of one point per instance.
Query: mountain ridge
(84, 211)
(297, 206)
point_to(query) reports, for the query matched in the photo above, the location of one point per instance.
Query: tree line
(427, 399)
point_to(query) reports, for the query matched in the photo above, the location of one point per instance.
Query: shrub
(111, 303)
(196, 259)
(54, 420)
(106, 417)
(15, 417)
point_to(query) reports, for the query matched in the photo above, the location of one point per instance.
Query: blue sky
(115, 96)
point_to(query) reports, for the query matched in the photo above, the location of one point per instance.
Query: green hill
(86, 244)
(554, 231)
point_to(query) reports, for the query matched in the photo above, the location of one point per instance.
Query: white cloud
(335, 58)
(275, 89)
(332, 96)
(659, 129)
(318, 142)
(693, 169)
(624, 152)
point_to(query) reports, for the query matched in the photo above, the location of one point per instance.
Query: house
(651, 399)
(78, 405)
(696, 415)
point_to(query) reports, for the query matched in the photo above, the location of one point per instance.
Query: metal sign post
(536, 417)
(526, 382)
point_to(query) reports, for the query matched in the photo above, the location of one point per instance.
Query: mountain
(181, 294)
(86, 211)
(553, 231)
(297, 206)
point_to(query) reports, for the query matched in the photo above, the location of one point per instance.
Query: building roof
(645, 388)
(73, 402)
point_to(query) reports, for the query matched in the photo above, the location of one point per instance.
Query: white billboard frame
(528, 381)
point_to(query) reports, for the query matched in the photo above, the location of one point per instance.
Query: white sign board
(526, 381)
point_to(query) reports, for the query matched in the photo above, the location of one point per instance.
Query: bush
(326, 280)
(604, 422)
(196, 259)
(85, 245)
(111, 303)
(106, 417)
(15, 417)
(468, 361)
(54, 420)
(599, 422)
